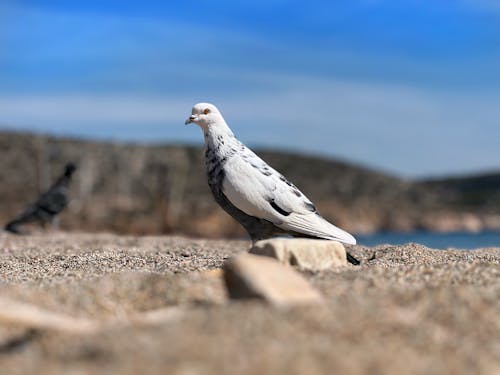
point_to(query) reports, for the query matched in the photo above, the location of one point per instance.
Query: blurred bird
(264, 202)
(48, 206)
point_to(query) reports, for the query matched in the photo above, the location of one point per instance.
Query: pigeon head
(205, 115)
(69, 169)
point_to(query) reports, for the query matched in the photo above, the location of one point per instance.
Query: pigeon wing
(260, 191)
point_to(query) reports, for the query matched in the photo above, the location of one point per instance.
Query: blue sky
(409, 87)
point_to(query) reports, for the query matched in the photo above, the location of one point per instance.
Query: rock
(307, 254)
(19, 314)
(251, 276)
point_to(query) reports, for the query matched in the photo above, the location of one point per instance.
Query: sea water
(434, 240)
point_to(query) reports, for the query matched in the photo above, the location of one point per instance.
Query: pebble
(250, 276)
(306, 254)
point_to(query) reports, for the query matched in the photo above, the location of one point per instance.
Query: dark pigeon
(48, 206)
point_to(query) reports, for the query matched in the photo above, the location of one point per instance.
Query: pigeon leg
(55, 223)
(42, 223)
(352, 260)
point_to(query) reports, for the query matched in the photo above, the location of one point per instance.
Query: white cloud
(80, 109)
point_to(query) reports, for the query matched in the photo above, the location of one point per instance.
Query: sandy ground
(407, 309)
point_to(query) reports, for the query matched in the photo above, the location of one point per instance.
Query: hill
(479, 192)
(150, 189)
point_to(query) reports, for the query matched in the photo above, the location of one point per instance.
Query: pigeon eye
(206, 111)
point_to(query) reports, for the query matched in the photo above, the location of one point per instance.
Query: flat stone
(14, 313)
(307, 254)
(252, 276)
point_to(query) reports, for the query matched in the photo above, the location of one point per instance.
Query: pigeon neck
(219, 137)
(64, 180)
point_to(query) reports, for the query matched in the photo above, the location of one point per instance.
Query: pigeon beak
(191, 119)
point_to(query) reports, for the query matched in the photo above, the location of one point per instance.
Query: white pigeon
(252, 192)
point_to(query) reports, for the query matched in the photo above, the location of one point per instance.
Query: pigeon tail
(316, 226)
(12, 227)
